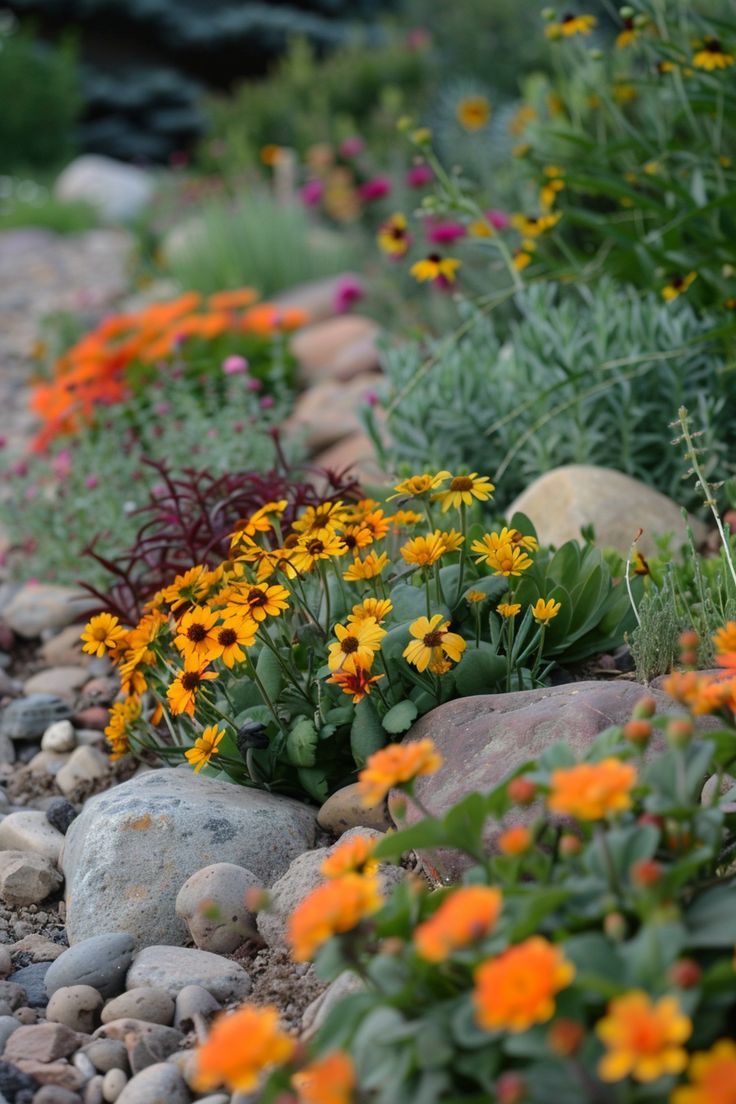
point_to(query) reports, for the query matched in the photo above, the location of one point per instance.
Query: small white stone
(59, 737)
(86, 764)
(113, 1084)
(31, 831)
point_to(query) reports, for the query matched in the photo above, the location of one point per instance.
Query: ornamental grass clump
(589, 962)
(319, 634)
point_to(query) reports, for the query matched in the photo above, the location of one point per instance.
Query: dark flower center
(433, 639)
(292, 540)
(256, 597)
(434, 258)
(349, 540)
(398, 233)
(196, 633)
(677, 282)
(349, 644)
(314, 547)
(461, 483)
(190, 680)
(713, 46)
(227, 637)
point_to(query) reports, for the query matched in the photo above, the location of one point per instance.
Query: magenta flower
(253, 385)
(419, 175)
(61, 464)
(418, 38)
(266, 402)
(371, 398)
(351, 147)
(312, 192)
(349, 290)
(375, 188)
(91, 481)
(498, 219)
(234, 365)
(444, 233)
(162, 409)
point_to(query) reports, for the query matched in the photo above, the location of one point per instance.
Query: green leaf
(367, 734)
(400, 717)
(479, 671)
(301, 743)
(463, 825)
(711, 919)
(269, 672)
(314, 781)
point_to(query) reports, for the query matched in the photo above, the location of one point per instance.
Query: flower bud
(638, 733)
(645, 708)
(685, 973)
(570, 845)
(679, 732)
(521, 791)
(596, 54)
(257, 899)
(565, 1037)
(548, 14)
(614, 925)
(646, 873)
(510, 1088)
(689, 639)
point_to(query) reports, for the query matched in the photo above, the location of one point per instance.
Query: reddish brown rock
(60, 1073)
(96, 716)
(483, 739)
(43, 1042)
(326, 412)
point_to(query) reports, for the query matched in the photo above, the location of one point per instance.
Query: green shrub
(254, 241)
(583, 378)
(26, 203)
(39, 91)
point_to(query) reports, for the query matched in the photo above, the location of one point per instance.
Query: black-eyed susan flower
(531, 226)
(376, 523)
(182, 694)
(196, 634)
(205, 746)
(473, 112)
(463, 489)
(322, 520)
(571, 25)
(677, 286)
(258, 601)
(543, 612)
(393, 236)
(453, 540)
(368, 568)
(504, 559)
(191, 587)
(712, 55)
(508, 609)
(356, 644)
(494, 540)
(423, 551)
(102, 633)
(311, 550)
(235, 634)
(432, 642)
(378, 608)
(435, 267)
(356, 538)
(417, 485)
(628, 34)
(553, 184)
(357, 683)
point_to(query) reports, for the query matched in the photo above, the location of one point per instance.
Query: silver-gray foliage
(580, 377)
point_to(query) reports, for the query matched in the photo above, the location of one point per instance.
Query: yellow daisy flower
(543, 612)
(310, 550)
(463, 489)
(508, 609)
(473, 112)
(677, 286)
(102, 633)
(378, 608)
(393, 236)
(435, 267)
(424, 551)
(205, 746)
(432, 642)
(571, 25)
(368, 568)
(711, 56)
(357, 642)
(417, 485)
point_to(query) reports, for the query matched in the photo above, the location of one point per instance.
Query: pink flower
(419, 175)
(20, 469)
(351, 147)
(349, 290)
(234, 365)
(162, 409)
(371, 398)
(91, 481)
(311, 193)
(61, 464)
(3, 441)
(266, 402)
(498, 220)
(253, 385)
(444, 233)
(375, 188)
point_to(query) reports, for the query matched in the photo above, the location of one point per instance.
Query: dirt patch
(291, 986)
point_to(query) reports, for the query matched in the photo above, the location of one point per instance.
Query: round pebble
(113, 1084)
(107, 1054)
(6, 962)
(93, 1090)
(158, 1082)
(100, 961)
(25, 1015)
(77, 1006)
(60, 814)
(55, 1094)
(142, 1003)
(82, 1063)
(59, 736)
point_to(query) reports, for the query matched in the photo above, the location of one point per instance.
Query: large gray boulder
(128, 852)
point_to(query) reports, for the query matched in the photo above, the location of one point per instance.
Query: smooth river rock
(129, 851)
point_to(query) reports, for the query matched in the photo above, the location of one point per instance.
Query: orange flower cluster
(332, 908)
(465, 916)
(328, 1080)
(643, 1039)
(93, 372)
(396, 765)
(240, 1047)
(517, 990)
(592, 791)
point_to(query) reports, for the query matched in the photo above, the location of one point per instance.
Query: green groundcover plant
(314, 643)
(592, 378)
(587, 955)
